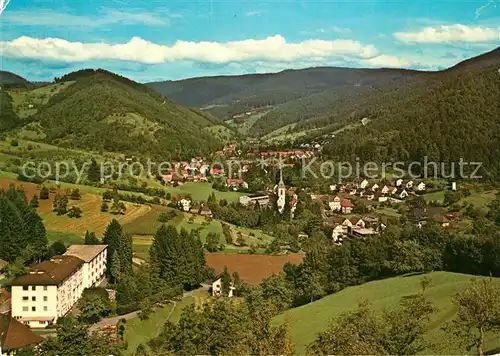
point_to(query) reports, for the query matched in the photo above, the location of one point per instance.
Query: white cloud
(388, 61)
(331, 29)
(480, 9)
(450, 33)
(252, 13)
(107, 16)
(271, 49)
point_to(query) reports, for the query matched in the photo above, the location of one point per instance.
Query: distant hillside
(100, 110)
(309, 320)
(8, 118)
(310, 98)
(454, 115)
(11, 79)
(284, 92)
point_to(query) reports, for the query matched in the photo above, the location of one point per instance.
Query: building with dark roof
(15, 336)
(94, 258)
(52, 288)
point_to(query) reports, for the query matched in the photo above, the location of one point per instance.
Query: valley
(274, 202)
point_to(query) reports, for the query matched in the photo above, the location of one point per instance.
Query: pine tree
(115, 269)
(91, 239)
(44, 193)
(10, 230)
(94, 172)
(35, 233)
(164, 256)
(61, 204)
(226, 281)
(34, 202)
(112, 239)
(20, 227)
(125, 253)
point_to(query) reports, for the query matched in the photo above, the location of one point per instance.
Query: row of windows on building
(33, 309)
(33, 299)
(33, 288)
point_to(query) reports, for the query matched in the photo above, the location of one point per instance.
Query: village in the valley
(353, 208)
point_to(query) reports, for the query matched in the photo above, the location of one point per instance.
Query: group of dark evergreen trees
(119, 253)
(21, 228)
(177, 258)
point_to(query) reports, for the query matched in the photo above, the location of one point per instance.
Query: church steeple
(281, 191)
(281, 184)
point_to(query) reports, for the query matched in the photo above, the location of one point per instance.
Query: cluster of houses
(181, 172)
(186, 205)
(49, 291)
(356, 227)
(290, 154)
(378, 192)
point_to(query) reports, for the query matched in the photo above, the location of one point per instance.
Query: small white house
(185, 204)
(334, 204)
(421, 186)
(375, 187)
(399, 182)
(454, 186)
(402, 194)
(363, 184)
(385, 189)
(409, 184)
(217, 288)
(333, 187)
(338, 232)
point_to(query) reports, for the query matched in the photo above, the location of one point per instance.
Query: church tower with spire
(281, 193)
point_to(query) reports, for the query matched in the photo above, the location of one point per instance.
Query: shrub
(75, 212)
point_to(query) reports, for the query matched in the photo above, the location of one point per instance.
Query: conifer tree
(177, 258)
(125, 253)
(44, 193)
(111, 238)
(34, 202)
(91, 239)
(164, 252)
(115, 268)
(94, 172)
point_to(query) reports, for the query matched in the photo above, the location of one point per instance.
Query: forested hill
(456, 114)
(308, 98)
(227, 95)
(103, 111)
(10, 79)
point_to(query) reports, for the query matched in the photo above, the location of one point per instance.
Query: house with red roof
(346, 206)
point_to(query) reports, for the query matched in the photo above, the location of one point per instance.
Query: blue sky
(161, 40)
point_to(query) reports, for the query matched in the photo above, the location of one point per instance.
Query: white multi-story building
(94, 268)
(53, 287)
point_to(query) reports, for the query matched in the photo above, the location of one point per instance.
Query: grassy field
(92, 218)
(146, 225)
(481, 199)
(436, 196)
(22, 99)
(68, 239)
(201, 192)
(389, 212)
(140, 331)
(307, 321)
(247, 124)
(221, 132)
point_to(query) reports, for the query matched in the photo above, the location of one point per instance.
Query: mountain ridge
(99, 110)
